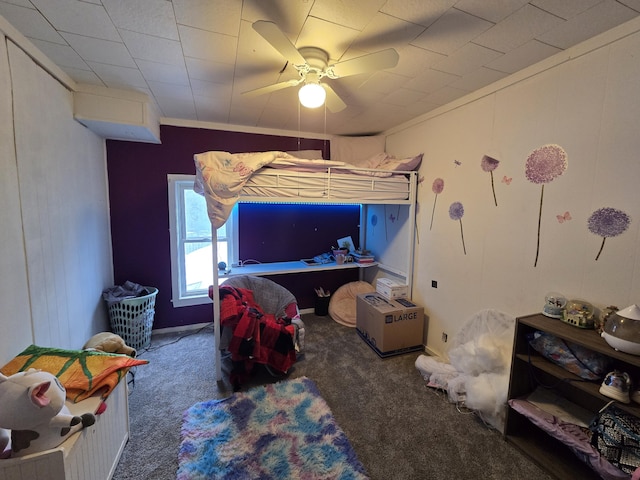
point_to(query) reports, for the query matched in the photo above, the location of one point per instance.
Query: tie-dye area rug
(278, 431)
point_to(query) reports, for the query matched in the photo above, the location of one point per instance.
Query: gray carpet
(399, 428)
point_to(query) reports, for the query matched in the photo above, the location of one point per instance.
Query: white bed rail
(337, 185)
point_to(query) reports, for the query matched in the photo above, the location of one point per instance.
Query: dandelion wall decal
(543, 165)
(489, 164)
(456, 212)
(437, 187)
(607, 222)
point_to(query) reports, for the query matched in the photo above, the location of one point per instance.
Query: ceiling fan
(312, 64)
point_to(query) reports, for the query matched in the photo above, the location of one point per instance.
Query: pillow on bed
(403, 164)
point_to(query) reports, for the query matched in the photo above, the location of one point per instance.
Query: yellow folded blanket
(82, 372)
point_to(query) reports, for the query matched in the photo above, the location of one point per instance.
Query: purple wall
(140, 221)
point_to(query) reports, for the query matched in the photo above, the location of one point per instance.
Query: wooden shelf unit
(530, 369)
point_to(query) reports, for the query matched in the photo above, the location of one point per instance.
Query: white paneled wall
(55, 255)
(588, 103)
(15, 317)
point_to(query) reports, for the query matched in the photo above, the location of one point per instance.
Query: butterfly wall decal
(507, 180)
(564, 218)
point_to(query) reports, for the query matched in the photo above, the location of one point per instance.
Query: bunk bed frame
(332, 187)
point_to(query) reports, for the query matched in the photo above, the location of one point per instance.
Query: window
(191, 252)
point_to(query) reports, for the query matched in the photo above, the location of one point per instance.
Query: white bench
(91, 454)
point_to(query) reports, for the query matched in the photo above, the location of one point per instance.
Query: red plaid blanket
(258, 337)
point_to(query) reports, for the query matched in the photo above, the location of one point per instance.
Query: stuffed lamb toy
(32, 407)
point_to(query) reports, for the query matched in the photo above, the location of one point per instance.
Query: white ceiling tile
(199, 56)
(202, 88)
(403, 97)
(522, 26)
(153, 17)
(208, 45)
(83, 76)
(634, 4)
(221, 16)
(477, 79)
(30, 23)
(430, 80)
(332, 38)
(353, 13)
(254, 53)
(418, 11)
(444, 95)
(209, 71)
(114, 76)
(566, 8)
(466, 59)
(75, 16)
(523, 56)
(493, 11)
(587, 24)
(287, 15)
(176, 108)
(20, 3)
(363, 97)
(170, 90)
(163, 72)
(61, 55)
(385, 31)
(420, 108)
(414, 60)
(156, 49)
(383, 82)
(209, 110)
(451, 31)
(101, 51)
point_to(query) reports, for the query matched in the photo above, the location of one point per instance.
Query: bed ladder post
(413, 227)
(216, 302)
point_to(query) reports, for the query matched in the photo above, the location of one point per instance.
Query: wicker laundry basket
(132, 319)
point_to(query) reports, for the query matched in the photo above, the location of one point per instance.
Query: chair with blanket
(260, 323)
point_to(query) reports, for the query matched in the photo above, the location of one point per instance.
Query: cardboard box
(390, 327)
(391, 289)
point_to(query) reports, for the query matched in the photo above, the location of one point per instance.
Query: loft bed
(224, 179)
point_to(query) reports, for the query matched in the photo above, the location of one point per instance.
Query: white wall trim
(177, 122)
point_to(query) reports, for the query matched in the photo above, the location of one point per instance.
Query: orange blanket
(83, 373)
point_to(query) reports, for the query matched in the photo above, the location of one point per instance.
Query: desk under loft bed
(387, 195)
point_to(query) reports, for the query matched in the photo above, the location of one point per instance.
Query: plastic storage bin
(132, 319)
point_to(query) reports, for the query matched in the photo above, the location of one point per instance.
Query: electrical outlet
(444, 337)
(434, 284)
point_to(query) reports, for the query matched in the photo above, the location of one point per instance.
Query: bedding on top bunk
(221, 176)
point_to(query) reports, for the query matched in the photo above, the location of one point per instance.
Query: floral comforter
(220, 176)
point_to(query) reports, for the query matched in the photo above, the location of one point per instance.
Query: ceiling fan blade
(278, 40)
(333, 101)
(271, 88)
(366, 63)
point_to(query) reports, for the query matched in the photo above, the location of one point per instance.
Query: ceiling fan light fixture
(312, 95)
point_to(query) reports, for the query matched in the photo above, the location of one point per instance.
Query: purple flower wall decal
(437, 187)
(489, 164)
(456, 212)
(607, 222)
(543, 165)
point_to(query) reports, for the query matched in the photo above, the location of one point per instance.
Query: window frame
(176, 185)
